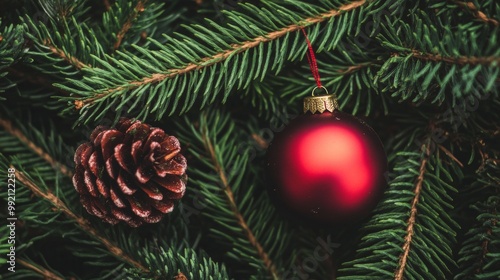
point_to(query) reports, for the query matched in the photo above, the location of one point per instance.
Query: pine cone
(131, 173)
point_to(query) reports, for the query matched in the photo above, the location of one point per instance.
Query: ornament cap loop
(320, 87)
(321, 103)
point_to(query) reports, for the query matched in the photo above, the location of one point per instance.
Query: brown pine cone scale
(132, 173)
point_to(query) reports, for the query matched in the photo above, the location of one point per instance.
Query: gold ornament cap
(321, 103)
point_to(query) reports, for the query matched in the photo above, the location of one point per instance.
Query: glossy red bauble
(328, 168)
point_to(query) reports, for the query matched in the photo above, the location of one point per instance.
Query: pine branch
(221, 56)
(430, 60)
(80, 221)
(242, 219)
(469, 6)
(234, 208)
(139, 8)
(484, 246)
(168, 262)
(480, 251)
(47, 274)
(479, 255)
(62, 54)
(351, 71)
(7, 125)
(398, 275)
(412, 233)
(12, 49)
(55, 49)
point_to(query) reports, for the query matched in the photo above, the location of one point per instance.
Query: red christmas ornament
(327, 166)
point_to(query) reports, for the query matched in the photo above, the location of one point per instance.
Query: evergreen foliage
(479, 251)
(427, 239)
(11, 49)
(223, 76)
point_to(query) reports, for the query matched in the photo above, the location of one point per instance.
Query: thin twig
(47, 274)
(485, 242)
(484, 155)
(80, 221)
(139, 8)
(260, 141)
(354, 68)
(484, 251)
(460, 60)
(398, 275)
(450, 154)
(217, 58)
(234, 208)
(476, 12)
(7, 125)
(60, 53)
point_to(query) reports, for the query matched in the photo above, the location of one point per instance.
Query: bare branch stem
(47, 274)
(403, 259)
(469, 6)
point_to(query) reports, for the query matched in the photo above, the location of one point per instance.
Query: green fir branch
(26, 269)
(352, 73)
(479, 254)
(412, 60)
(60, 206)
(41, 271)
(220, 188)
(234, 207)
(62, 9)
(19, 135)
(403, 258)
(247, 228)
(420, 195)
(476, 12)
(56, 51)
(419, 70)
(221, 64)
(127, 24)
(11, 50)
(167, 263)
(4, 245)
(29, 158)
(132, 22)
